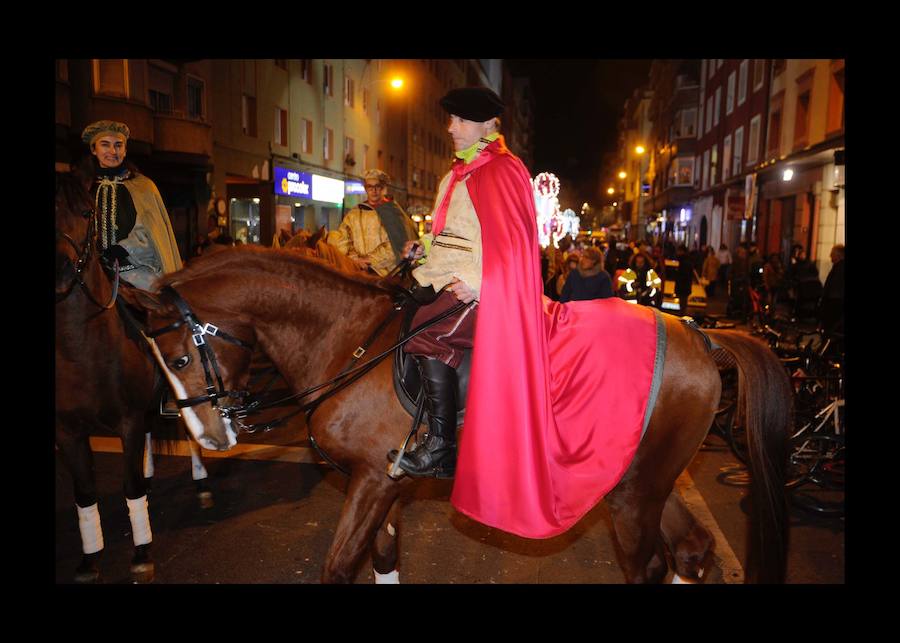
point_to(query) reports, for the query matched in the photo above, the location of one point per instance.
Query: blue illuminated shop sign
(293, 183)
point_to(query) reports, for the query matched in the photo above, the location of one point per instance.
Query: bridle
(84, 253)
(207, 355)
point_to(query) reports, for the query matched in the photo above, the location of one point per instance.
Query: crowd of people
(795, 286)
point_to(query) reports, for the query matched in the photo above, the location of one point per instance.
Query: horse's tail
(766, 403)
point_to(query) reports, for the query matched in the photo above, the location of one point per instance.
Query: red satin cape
(552, 420)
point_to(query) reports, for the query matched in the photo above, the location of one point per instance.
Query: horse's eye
(87, 214)
(181, 362)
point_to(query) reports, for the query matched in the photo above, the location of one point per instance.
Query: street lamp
(623, 175)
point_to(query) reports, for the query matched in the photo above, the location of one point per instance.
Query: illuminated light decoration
(788, 175)
(549, 224)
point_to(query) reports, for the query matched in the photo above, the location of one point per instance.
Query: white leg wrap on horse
(148, 458)
(678, 580)
(89, 526)
(198, 471)
(140, 520)
(393, 578)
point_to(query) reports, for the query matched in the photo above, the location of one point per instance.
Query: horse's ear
(141, 299)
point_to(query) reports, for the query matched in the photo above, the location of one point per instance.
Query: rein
(345, 378)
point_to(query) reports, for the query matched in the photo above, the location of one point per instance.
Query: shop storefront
(307, 201)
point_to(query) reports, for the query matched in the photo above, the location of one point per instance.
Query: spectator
(773, 278)
(684, 278)
(589, 280)
(710, 271)
(803, 281)
(831, 309)
(724, 257)
(569, 265)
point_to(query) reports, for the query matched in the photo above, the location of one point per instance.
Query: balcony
(173, 132)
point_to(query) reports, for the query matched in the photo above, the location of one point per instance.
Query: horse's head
(74, 229)
(205, 356)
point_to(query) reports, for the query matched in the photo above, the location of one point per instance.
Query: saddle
(407, 382)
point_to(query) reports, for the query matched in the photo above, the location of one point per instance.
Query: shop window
(244, 215)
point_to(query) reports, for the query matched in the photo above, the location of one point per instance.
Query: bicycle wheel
(813, 458)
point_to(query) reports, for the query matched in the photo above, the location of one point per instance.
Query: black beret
(473, 103)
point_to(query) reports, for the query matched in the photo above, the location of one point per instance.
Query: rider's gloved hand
(115, 252)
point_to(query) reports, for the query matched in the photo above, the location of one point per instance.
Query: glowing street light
(639, 149)
(622, 174)
(397, 82)
(610, 190)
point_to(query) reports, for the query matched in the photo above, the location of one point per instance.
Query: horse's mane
(72, 190)
(286, 262)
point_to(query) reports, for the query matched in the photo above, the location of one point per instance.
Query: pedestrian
(374, 232)
(724, 257)
(569, 265)
(684, 278)
(710, 272)
(802, 279)
(739, 283)
(134, 226)
(589, 280)
(831, 308)
(773, 278)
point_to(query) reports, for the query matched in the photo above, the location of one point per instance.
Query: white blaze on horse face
(194, 425)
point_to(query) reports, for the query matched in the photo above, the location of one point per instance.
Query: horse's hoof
(142, 573)
(206, 500)
(204, 495)
(88, 571)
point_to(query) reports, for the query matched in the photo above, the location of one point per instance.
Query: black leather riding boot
(436, 455)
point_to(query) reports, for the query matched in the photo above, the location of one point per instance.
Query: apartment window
(348, 92)
(306, 69)
(248, 115)
(753, 140)
(726, 158)
(161, 88)
(718, 104)
(719, 63)
(706, 169)
(349, 151)
(835, 118)
(738, 151)
(742, 82)
(729, 96)
(686, 123)
(801, 125)
(328, 80)
(111, 78)
(281, 136)
(759, 68)
(709, 113)
(195, 94)
(281, 63)
(712, 67)
(700, 129)
(378, 111)
(306, 136)
(329, 144)
(365, 159)
(778, 66)
(696, 170)
(379, 160)
(415, 177)
(365, 101)
(684, 170)
(713, 164)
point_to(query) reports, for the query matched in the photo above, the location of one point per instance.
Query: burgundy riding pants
(447, 339)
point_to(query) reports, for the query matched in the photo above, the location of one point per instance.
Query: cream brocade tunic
(456, 252)
(362, 235)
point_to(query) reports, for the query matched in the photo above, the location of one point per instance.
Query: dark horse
(106, 376)
(285, 303)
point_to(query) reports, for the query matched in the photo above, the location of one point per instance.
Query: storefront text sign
(293, 183)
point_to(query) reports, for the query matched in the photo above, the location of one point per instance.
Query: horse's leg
(636, 518)
(199, 474)
(133, 443)
(368, 500)
(384, 551)
(75, 449)
(688, 541)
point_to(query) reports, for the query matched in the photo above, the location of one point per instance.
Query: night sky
(578, 104)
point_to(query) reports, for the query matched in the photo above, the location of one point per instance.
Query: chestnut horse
(106, 378)
(285, 303)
